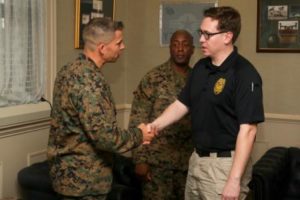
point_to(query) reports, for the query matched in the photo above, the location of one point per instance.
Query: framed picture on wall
(181, 15)
(278, 26)
(85, 10)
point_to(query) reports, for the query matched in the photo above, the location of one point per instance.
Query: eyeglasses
(208, 35)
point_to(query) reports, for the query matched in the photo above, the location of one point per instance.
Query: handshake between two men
(149, 132)
(171, 114)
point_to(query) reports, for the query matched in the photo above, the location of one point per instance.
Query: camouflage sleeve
(141, 110)
(98, 119)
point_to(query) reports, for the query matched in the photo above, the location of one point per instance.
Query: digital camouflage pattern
(165, 184)
(172, 148)
(168, 153)
(84, 132)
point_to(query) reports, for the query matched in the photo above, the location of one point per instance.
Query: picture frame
(278, 26)
(85, 10)
(181, 15)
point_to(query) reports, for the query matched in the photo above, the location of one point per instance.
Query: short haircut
(100, 30)
(229, 19)
(183, 31)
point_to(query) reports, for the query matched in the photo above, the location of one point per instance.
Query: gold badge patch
(219, 86)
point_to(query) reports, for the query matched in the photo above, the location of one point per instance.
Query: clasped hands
(149, 132)
(142, 170)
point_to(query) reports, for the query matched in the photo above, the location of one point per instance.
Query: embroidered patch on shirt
(219, 86)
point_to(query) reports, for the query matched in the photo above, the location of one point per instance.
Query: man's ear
(228, 37)
(100, 48)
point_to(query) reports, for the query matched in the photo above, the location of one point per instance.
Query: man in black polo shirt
(224, 96)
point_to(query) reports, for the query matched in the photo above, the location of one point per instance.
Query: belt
(218, 154)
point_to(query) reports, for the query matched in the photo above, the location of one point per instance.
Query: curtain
(22, 51)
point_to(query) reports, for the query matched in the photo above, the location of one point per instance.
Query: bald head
(182, 32)
(181, 48)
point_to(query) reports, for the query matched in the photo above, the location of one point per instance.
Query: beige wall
(279, 71)
(23, 141)
(65, 32)
(23, 137)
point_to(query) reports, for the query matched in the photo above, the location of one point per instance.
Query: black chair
(35, 182)
(276, 175)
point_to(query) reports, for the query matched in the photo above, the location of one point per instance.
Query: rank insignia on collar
(219, 86)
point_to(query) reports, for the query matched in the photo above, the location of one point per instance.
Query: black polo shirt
(220, 99)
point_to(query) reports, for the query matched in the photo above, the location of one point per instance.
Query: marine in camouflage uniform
(167, 155)
(84, 134)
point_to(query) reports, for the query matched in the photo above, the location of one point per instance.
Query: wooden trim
(17, 129)
(282, 117)
(269, 116)
(21, 119)
(51, 48)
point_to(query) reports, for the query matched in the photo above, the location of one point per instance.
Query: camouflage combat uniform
(169, 152)
(84, 132)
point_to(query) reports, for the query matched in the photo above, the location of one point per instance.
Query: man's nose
(180, 47)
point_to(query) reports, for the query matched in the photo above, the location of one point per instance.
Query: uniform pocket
(222, 170)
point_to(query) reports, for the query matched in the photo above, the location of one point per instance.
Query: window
(23, 51)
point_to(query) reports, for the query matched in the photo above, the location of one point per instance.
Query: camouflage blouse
(84, 132)
(156, 91)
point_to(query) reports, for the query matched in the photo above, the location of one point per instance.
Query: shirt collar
(228, 62)
(83, 57)
(172, 70)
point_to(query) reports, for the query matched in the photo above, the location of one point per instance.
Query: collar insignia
(219, 86)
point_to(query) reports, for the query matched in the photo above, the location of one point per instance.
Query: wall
(114, 72)
(23, 141)
(279, 70)
(65, 32)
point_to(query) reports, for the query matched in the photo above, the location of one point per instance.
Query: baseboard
(282, 117)
(37, 156)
